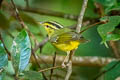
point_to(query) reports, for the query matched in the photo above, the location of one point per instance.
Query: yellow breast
(67, 47)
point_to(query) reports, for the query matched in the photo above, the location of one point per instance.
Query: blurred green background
(92, 48)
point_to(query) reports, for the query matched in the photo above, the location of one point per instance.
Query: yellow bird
(64, 39)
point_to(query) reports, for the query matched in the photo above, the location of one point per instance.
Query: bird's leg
(70, 57)
(66, 59)
(69, 65)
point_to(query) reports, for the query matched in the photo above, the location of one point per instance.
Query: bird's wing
(64, 38)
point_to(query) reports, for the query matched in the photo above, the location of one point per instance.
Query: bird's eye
(47, 26)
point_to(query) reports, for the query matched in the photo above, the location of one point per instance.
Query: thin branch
(26, 28)
(92, 25)
(114, 47)
(54, 64)
(9, 54)
(18, 16)
(82, 61)
(53, 13)
(40, 44)
(79, 61)
(50, 68)
(35, 57)
(49, 12)
(22, 22)
(7, 32)
(80, 18)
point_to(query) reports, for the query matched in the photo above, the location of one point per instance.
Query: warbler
(64, 39)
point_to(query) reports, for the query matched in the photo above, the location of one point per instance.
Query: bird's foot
(66, 64)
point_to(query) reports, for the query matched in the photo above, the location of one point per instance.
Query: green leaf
(104, 29)
(112, 70)
(104, 18)
(21, 51)
(113, 37)
(3, 56)
(9, 68)
(109, 66)
(33, 75)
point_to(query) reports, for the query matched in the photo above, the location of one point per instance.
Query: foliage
(20, 43)
(111, 71)
(105, 30)
(21, 51)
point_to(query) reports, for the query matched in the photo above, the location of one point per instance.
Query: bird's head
(51, 26)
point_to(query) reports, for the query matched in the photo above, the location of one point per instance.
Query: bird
(63, 38)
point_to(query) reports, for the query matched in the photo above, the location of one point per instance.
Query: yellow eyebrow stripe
(50, 26)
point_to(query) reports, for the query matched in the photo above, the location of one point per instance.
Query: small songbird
(64, 39)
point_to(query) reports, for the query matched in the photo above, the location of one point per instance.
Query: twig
(38, 63)
(50, 68)
(22, 22)
(49, 12)
(54, 64)
(26, 28)
(79, 61)
(53, 13)
(115, 49)
(92, 25)
(7, 32)
(18, 16)
(79, 24)
(40, 44)
(9, 54)
(80, 18)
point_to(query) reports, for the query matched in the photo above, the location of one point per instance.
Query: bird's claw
(65, 64)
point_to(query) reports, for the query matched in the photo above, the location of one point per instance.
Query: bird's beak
(83, 40)
(40, 23)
